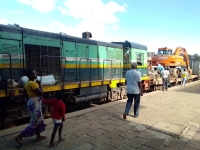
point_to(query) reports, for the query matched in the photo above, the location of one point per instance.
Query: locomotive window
(139, 58)
(33, 54)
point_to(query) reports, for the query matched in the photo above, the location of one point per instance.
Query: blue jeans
(136, 103)
(183, 82)
(56, 125)
(165, 83)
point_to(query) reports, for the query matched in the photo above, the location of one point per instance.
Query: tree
(196, 56)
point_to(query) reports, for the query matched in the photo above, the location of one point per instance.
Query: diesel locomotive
(87, 71)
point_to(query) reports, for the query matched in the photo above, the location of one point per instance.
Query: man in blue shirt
(160, 68)
(134, 90)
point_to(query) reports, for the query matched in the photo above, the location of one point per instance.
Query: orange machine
(166, 58)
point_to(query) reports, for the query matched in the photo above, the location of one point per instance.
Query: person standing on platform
(184, 77)
(34, 105)
(134, 90)
(58, 117)
(165, 78)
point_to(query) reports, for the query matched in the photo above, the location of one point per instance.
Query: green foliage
(195, 56)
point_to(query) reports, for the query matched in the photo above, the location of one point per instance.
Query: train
(86, 70)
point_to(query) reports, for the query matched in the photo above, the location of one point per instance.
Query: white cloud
(58, 27)
(94, 16)
(44, 6)
(3, 21)
(92, 10)
(96, 29)
(90, 15)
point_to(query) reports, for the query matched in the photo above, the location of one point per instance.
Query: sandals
(41, 138)
(61, 140)
(124, 116)
(18, 141)
(53, 145)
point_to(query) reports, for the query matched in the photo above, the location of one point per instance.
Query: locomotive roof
(132, 45)
(64, 37)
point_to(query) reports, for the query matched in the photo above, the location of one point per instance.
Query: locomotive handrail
(10, 69)
(120, 72)
(111, 67)
(62, 72)
(62, 33)
(90, 67)
(98, 63)
(127, 63)
(61, 41)
(120, 69)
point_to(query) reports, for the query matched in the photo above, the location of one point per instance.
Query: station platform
(169, 120)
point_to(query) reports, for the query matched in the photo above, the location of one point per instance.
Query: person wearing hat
(134, 90)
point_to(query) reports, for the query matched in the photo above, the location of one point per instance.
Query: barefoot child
(58, 117)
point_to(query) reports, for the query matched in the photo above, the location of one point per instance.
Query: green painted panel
(8, 35)
(10, 47)
(92, 51)
(35, 40)
(110, 53)
(69, 49)
(82, 50)
(118, 54)
(69, 52)
(102, 52)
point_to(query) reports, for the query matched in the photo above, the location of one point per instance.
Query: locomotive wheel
(123, 94)
(115, 96)
(154, 88)
(178, 73)
(151, 88)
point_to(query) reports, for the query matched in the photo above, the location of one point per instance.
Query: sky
(154, 23)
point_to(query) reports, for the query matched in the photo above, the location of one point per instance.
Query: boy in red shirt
(58, 117)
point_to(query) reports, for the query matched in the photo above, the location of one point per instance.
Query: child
(58, 117)
(184, 77)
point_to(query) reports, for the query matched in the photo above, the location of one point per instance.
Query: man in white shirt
(165, 78)
(134, 90)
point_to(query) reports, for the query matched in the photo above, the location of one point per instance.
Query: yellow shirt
(30, 86)
(184, 74)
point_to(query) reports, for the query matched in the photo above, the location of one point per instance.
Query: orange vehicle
(166, 58)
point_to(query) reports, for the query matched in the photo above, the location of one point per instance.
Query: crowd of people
(134, 86)
(165, 74)
(32, 92)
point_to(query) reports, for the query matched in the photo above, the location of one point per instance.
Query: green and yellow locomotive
(86, 70)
